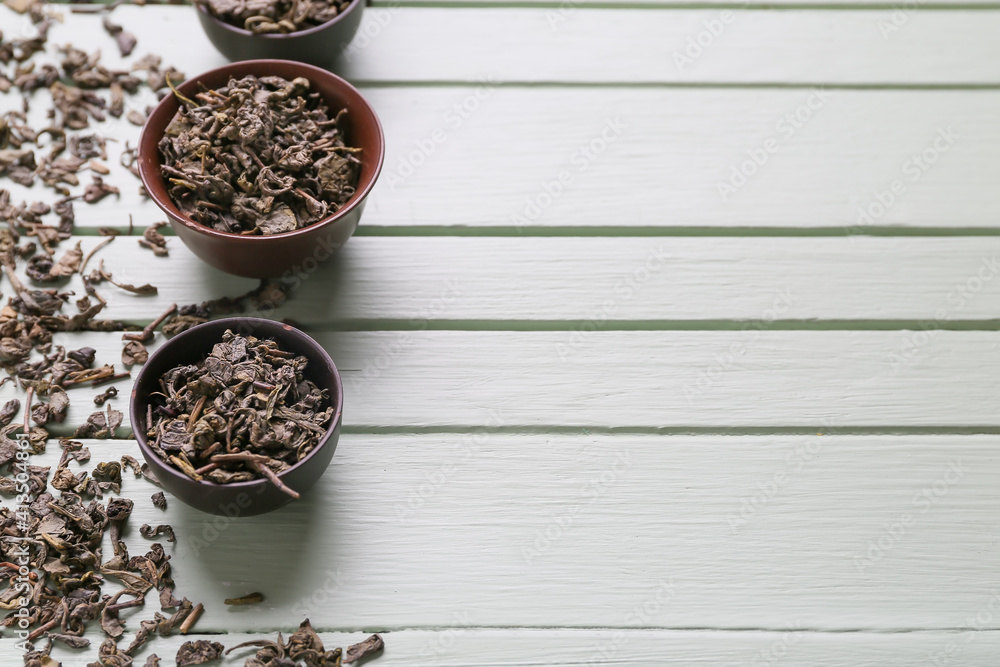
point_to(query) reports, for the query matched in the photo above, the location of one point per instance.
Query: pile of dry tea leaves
(65, 569)
(275, 16)
(305, 648)
(258, 156)
(245, 412)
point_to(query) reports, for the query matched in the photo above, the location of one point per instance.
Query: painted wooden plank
(591, 378)
(625, 46)
(414, 281)
(473, 647)
(563, 10)
(651, 158)
(487, 530)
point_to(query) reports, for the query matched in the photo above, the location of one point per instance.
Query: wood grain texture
(402, 282)
(682, 532)
(676, 159)
(715, 380)
(625, 46)
(620, 158)
(473, 647)
(562, 11)
(470, 511)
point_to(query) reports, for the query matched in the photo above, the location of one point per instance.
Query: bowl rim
(232, 322)
(166, 204)
(278, 36)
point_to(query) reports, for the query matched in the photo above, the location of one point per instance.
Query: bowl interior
(243, 32)
(362, 129)
(191, 347)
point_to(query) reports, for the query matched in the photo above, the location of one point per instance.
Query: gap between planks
(470, 647)
(677, 380)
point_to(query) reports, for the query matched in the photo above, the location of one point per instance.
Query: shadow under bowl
(278, 254)
(239, 498)
(318, 45)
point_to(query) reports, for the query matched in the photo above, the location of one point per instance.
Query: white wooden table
(642, 364)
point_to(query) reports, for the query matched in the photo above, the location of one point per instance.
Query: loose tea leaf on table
(250, 598)
(199, 652)
(259, 156)
(361, 650)
(154, 240)
(304, 647)
(159, 500)
(245, 412)
(275, 16)
(126, 40)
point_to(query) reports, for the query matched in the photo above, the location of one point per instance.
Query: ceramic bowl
(279, 254)
(319, 45)
(239, 498)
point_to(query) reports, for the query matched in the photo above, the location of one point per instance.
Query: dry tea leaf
(159, 500)
(42, 269)
(373, 644)
(100, 425)
(154, 240)
(198, 652)
(135, 118)
(133, 353)
(98, 190)
(150, 533)
(250, 598)
(105, 396)
(126, 40)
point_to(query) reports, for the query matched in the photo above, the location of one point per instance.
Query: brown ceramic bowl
(277, 255)
(239, 498)
(319, 45)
